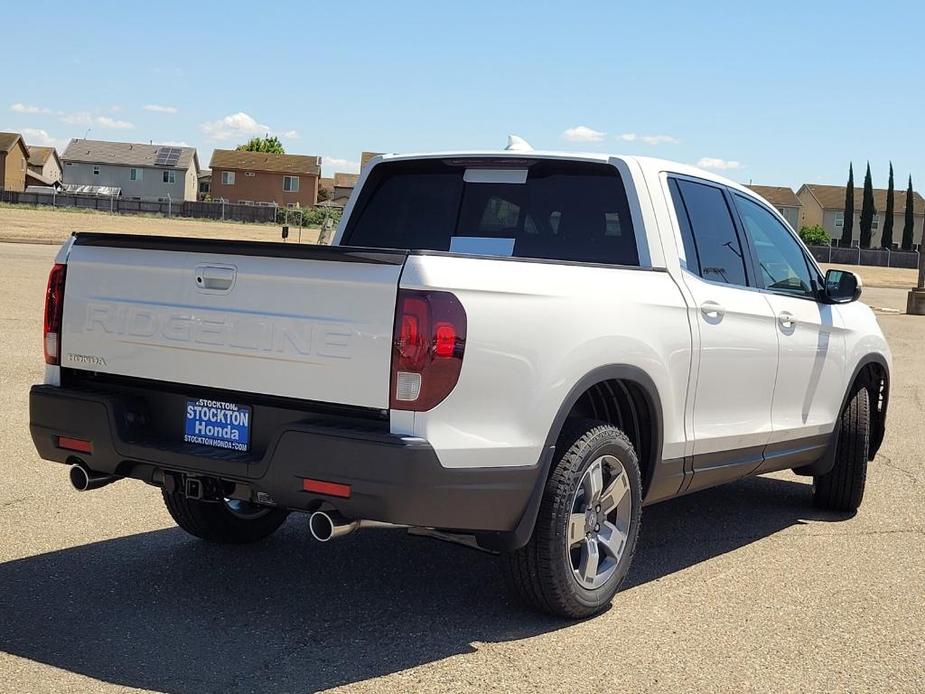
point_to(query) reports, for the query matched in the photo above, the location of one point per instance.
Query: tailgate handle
(215, 277)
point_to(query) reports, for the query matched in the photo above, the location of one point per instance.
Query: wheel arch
(644, 387)
(872, 372)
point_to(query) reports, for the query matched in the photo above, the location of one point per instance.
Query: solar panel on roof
(168, 156)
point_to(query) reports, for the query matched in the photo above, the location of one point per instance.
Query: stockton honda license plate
(219, 424)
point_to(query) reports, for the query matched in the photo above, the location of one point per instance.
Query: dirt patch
(887, 277)
(53, 226)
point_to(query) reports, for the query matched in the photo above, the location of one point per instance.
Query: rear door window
(711, 244)
(570, 211)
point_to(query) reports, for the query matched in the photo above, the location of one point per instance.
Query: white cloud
(107, 122)
(582, 133)
(85, 118)
(173, 143)
(332, 165)
(659, 139)
(721, 164)
(35, 136)
(649, 139)
(157, 108)
(77, 118)
(27, 108)
(242, 125)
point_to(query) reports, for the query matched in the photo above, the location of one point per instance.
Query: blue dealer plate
(218, 424)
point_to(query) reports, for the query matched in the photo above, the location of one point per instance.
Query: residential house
(259, 178)
(784, 200)
(344, 183)
(205, 184)
(14, 157)
(825, 206)
(44, 167)
(132, 170)
(326, 184)
(366, 156)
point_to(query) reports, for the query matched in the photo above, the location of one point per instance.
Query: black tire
(215, 522)
(842, 488)
(541, 573)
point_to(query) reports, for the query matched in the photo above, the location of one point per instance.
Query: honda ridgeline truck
(513, 349)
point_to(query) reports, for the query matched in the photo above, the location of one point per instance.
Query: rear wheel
(229, 521)
(587, 526)
(842, 488)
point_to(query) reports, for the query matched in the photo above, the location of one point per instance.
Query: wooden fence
(117, 205)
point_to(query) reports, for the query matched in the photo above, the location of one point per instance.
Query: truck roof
(649, 165)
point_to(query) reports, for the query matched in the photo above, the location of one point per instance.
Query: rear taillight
(54, 310)
(427, 348)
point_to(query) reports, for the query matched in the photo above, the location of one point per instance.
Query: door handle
(786, 319)
(215, 277)
(712, 310)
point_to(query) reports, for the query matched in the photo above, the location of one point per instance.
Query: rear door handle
(786, 319)
(712, 310)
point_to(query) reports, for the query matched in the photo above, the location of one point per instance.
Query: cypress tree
(847, 228)
(867, 210)
(886, 240)
(910, 220)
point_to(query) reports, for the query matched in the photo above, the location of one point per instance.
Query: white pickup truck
(513, 349)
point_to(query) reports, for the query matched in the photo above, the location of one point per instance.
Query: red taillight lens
(427, 351)
(54, 311)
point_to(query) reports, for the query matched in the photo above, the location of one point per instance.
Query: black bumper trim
(393, 478)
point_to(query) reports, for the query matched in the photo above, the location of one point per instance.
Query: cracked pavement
(743, 587)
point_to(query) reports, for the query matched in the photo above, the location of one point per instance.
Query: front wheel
(842, 488)
(226, 522)
(587, 526)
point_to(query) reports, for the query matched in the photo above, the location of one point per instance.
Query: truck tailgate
(313, 323)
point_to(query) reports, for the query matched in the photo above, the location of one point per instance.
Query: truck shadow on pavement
(162, 611)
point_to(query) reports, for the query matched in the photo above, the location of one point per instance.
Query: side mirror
(842, 286)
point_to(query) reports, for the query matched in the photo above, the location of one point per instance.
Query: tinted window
(564, 211)
(719, 254)
(687, 237)
(780, 258)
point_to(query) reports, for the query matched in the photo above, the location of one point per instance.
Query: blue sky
(777, 93)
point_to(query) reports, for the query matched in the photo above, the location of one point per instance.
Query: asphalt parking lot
(744, 587)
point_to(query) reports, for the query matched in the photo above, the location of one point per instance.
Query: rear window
(564, 211)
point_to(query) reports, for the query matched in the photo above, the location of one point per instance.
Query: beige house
(344, 183)
(44, 167)
(784, 200)
(825, 206)
(366, 156)
(14, 157)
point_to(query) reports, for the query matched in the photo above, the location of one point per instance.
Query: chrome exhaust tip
(83, 479)
(326, 526)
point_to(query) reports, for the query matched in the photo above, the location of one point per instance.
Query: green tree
(847, 229)
(867, 210)
(886, 239)
(814, 236)
(909, 225)
(269, 144)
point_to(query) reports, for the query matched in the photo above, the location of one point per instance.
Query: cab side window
(781, 260)
(711, 244)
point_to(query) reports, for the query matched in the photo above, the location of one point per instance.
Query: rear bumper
(392, 478)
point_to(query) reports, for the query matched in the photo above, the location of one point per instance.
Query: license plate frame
(218, 424)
